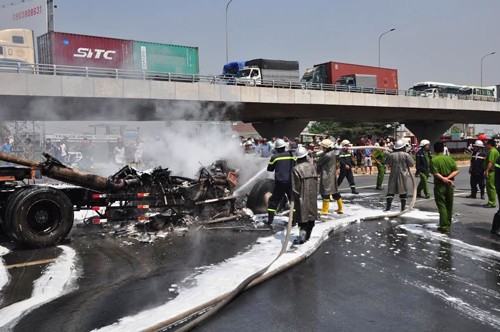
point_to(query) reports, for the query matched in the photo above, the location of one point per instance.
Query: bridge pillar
(280, 128)
(431, 130)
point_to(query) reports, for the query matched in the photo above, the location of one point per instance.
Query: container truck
(58, 48)
(263, 72)
(331, 72)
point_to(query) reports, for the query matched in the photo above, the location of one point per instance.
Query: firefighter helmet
(424, 142)
(279, 143)
(327, 143)
(479, 144)
(301, 152)
(399, 144)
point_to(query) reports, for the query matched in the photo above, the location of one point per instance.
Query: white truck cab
(249, 76)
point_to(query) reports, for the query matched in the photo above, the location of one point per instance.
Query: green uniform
(443, 193)
(379, 156)
(492, 156)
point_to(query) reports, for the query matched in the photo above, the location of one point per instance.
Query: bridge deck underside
(34, 108)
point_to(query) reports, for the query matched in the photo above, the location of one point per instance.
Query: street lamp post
(379, 43)
(227, 56)
(482, 65)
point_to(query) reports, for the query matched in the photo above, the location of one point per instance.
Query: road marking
(40, 262)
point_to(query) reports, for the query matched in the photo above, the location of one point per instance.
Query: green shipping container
(166, 58)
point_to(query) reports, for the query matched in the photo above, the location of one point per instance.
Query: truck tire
(39, 217)
(9, 211)
(259, 196)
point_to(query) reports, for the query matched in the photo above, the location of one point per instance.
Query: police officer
(379, 158)
(476, 170)
(489, 172)
(346, 164)
(444, 169)
(327, 170)
(281, 163)
(399, 161)
(305, 189)
(495, 227)
(423, 161)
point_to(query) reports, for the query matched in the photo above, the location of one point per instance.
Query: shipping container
(166, 58)
(101, 52)
(57, 48)
(330, 72)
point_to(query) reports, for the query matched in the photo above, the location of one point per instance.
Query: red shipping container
(386, 78)
(59, 48)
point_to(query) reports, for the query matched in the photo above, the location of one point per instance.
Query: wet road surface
(380, 275)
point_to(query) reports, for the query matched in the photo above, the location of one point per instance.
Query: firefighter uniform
(305, 191)
(345, 166)
(492, 156)
(327, 170)
(443, 192)
(400, 163)
(281, 164)
(476, 171)
(423, 163)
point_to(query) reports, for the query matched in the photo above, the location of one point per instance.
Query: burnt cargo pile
(58, 48)
(42, 215)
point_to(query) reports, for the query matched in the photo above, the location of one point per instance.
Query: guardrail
(45, 69)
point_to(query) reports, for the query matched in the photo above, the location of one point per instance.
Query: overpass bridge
(70, 94)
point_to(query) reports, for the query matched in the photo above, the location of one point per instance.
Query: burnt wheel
(39, 217)
(258, 197)
(10, 211)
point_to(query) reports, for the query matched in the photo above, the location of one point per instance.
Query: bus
(436, 90)
(487, 93)
(17, 48)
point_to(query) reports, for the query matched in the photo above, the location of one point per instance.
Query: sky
(434, 40)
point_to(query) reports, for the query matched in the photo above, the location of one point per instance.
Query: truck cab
(248, 76)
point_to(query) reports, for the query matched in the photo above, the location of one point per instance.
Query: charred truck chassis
(39, 215)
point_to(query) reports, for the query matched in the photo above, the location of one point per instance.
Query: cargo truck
(58, 48)
(263, 72)
(331, 72)
(17, 51)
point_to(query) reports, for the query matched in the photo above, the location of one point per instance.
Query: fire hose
(218, 303)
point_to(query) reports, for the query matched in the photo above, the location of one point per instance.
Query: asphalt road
(377, 276)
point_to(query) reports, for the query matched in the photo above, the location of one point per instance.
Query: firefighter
(281, 164)
(444, 169)
(423, 161)
(489, 172)
(476, 170)
(346, 164)
(305, 189)
(399, 161)
(326, 166)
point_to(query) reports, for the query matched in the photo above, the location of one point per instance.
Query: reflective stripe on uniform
(344, 155)
(497, 165)
(271, 210)
(282, 158)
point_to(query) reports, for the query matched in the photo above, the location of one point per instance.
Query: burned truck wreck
(40, 215)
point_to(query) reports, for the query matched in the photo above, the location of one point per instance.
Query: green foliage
(460, 156)
(351, 130)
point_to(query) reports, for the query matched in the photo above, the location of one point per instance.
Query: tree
(351, 130)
